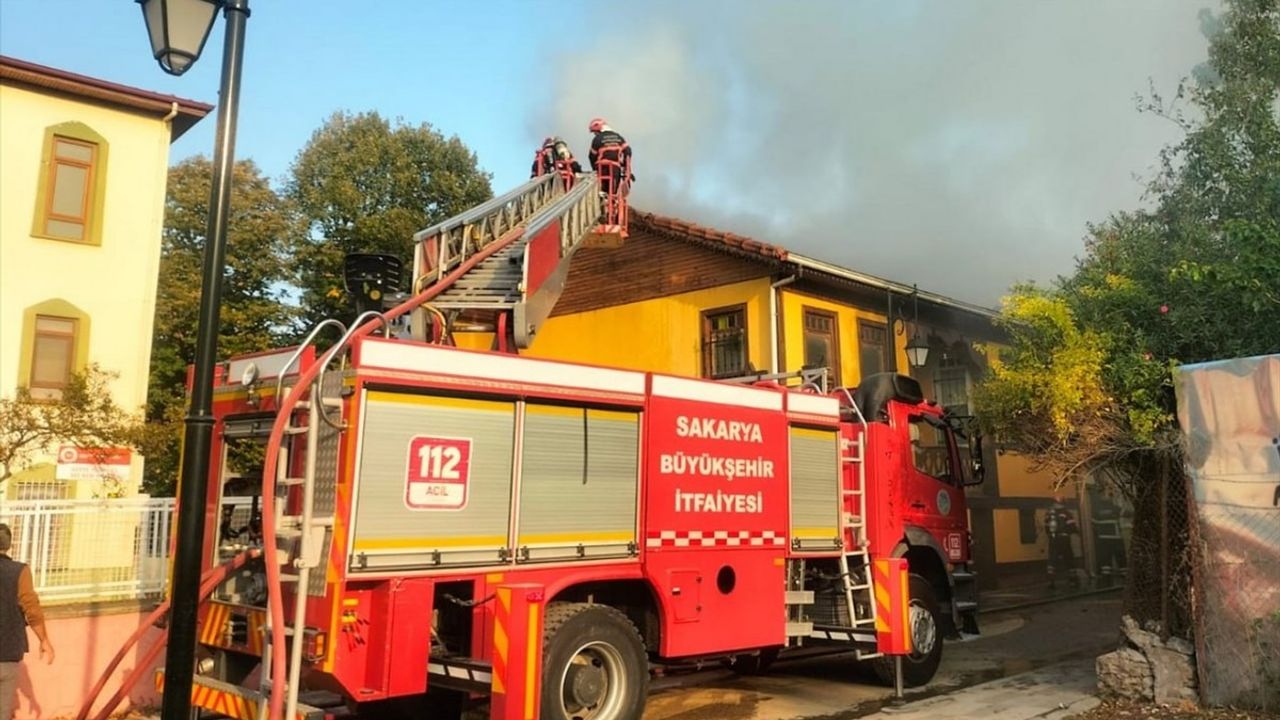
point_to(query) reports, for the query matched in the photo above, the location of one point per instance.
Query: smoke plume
(961, 146)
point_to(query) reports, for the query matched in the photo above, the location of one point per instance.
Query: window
(951, 385)
(821, 344)
(724, 342)
(68, 196)
(71, 190)
(53, 356)
(873, 347)
(929, 452)
(1027, 526)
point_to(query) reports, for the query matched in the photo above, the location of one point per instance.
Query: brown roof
(755, 249)
(21, 72)
(692, 231)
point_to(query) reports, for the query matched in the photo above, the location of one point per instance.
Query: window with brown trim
(822, 344)
(53, 353)
(69, 188)
(873, 348)
(724, 342)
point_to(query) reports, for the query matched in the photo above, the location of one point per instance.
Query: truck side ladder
(855, 561)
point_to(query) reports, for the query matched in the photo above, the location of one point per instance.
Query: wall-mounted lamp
(917, 348)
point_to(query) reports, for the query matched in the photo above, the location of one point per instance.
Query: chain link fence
(1158, 593)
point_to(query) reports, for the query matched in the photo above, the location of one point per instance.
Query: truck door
(934, 491)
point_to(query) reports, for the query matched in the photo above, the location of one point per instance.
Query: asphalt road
(835, 687)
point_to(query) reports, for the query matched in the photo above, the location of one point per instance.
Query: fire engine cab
(412, 521)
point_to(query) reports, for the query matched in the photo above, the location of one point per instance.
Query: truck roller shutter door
(815, 490)
(434, 482)
(578, 483)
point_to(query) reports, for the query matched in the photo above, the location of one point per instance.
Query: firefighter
(1060, 525)
(610, 157)
(1107, 538)
(544, 158)
(564, 163)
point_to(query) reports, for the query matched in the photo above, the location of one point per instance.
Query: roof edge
(186, 112)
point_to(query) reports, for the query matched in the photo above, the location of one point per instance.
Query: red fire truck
(436, 523)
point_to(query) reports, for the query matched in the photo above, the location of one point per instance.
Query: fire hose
(208, 582)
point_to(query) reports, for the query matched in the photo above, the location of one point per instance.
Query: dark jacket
(13, 621)
(611, 144)
(542, 162)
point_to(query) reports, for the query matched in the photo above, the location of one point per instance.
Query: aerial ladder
(499, 267)
(526, 239)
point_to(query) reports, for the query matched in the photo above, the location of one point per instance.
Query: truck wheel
(594, 665)
(753, 663)
(925, 621)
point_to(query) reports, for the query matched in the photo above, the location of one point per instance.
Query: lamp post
(178, 30)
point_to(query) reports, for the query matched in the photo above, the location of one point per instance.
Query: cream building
(83, 167)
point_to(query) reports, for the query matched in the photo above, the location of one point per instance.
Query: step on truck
(416, 525)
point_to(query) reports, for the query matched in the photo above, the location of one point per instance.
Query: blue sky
(470, 69)
(963, 146)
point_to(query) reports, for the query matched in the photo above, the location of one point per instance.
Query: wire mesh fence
(1158, 593)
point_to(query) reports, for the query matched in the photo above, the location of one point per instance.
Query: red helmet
(596, 125)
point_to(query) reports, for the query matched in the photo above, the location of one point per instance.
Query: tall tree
(262, 227)
(1087, 386)
(84, 415)
(366, 185)
(1195, 278)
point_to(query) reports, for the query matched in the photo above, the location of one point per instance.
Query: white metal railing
(92, 550)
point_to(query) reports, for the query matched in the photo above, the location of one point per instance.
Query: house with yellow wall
(83, 168)
(686, 299)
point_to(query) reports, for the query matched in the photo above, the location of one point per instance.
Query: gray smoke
(961, 146)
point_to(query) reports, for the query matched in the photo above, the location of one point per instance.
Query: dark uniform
(610, 147)
(1059, 525)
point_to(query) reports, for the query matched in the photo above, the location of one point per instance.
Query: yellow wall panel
(1009, 546)
(658, 335)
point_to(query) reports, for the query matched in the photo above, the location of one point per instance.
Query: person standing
(19, 608)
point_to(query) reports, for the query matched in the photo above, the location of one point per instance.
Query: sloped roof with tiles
(678, 229)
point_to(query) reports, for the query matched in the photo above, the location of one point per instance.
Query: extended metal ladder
(512, 291)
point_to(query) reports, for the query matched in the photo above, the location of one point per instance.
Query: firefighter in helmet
(564, 163)
(610, 157)
(544, 158)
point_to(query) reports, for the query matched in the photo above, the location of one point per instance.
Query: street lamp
(178, 30)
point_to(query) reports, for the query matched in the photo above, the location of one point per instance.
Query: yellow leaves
(1051, 375)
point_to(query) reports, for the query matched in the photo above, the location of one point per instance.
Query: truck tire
(925, 621)
(756, 663)
(594, 665)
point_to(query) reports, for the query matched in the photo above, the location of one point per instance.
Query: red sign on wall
(437, 473)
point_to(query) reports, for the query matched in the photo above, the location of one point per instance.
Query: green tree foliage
(85, 416)
(262, 227)
(1087, 383)
(366, 185)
